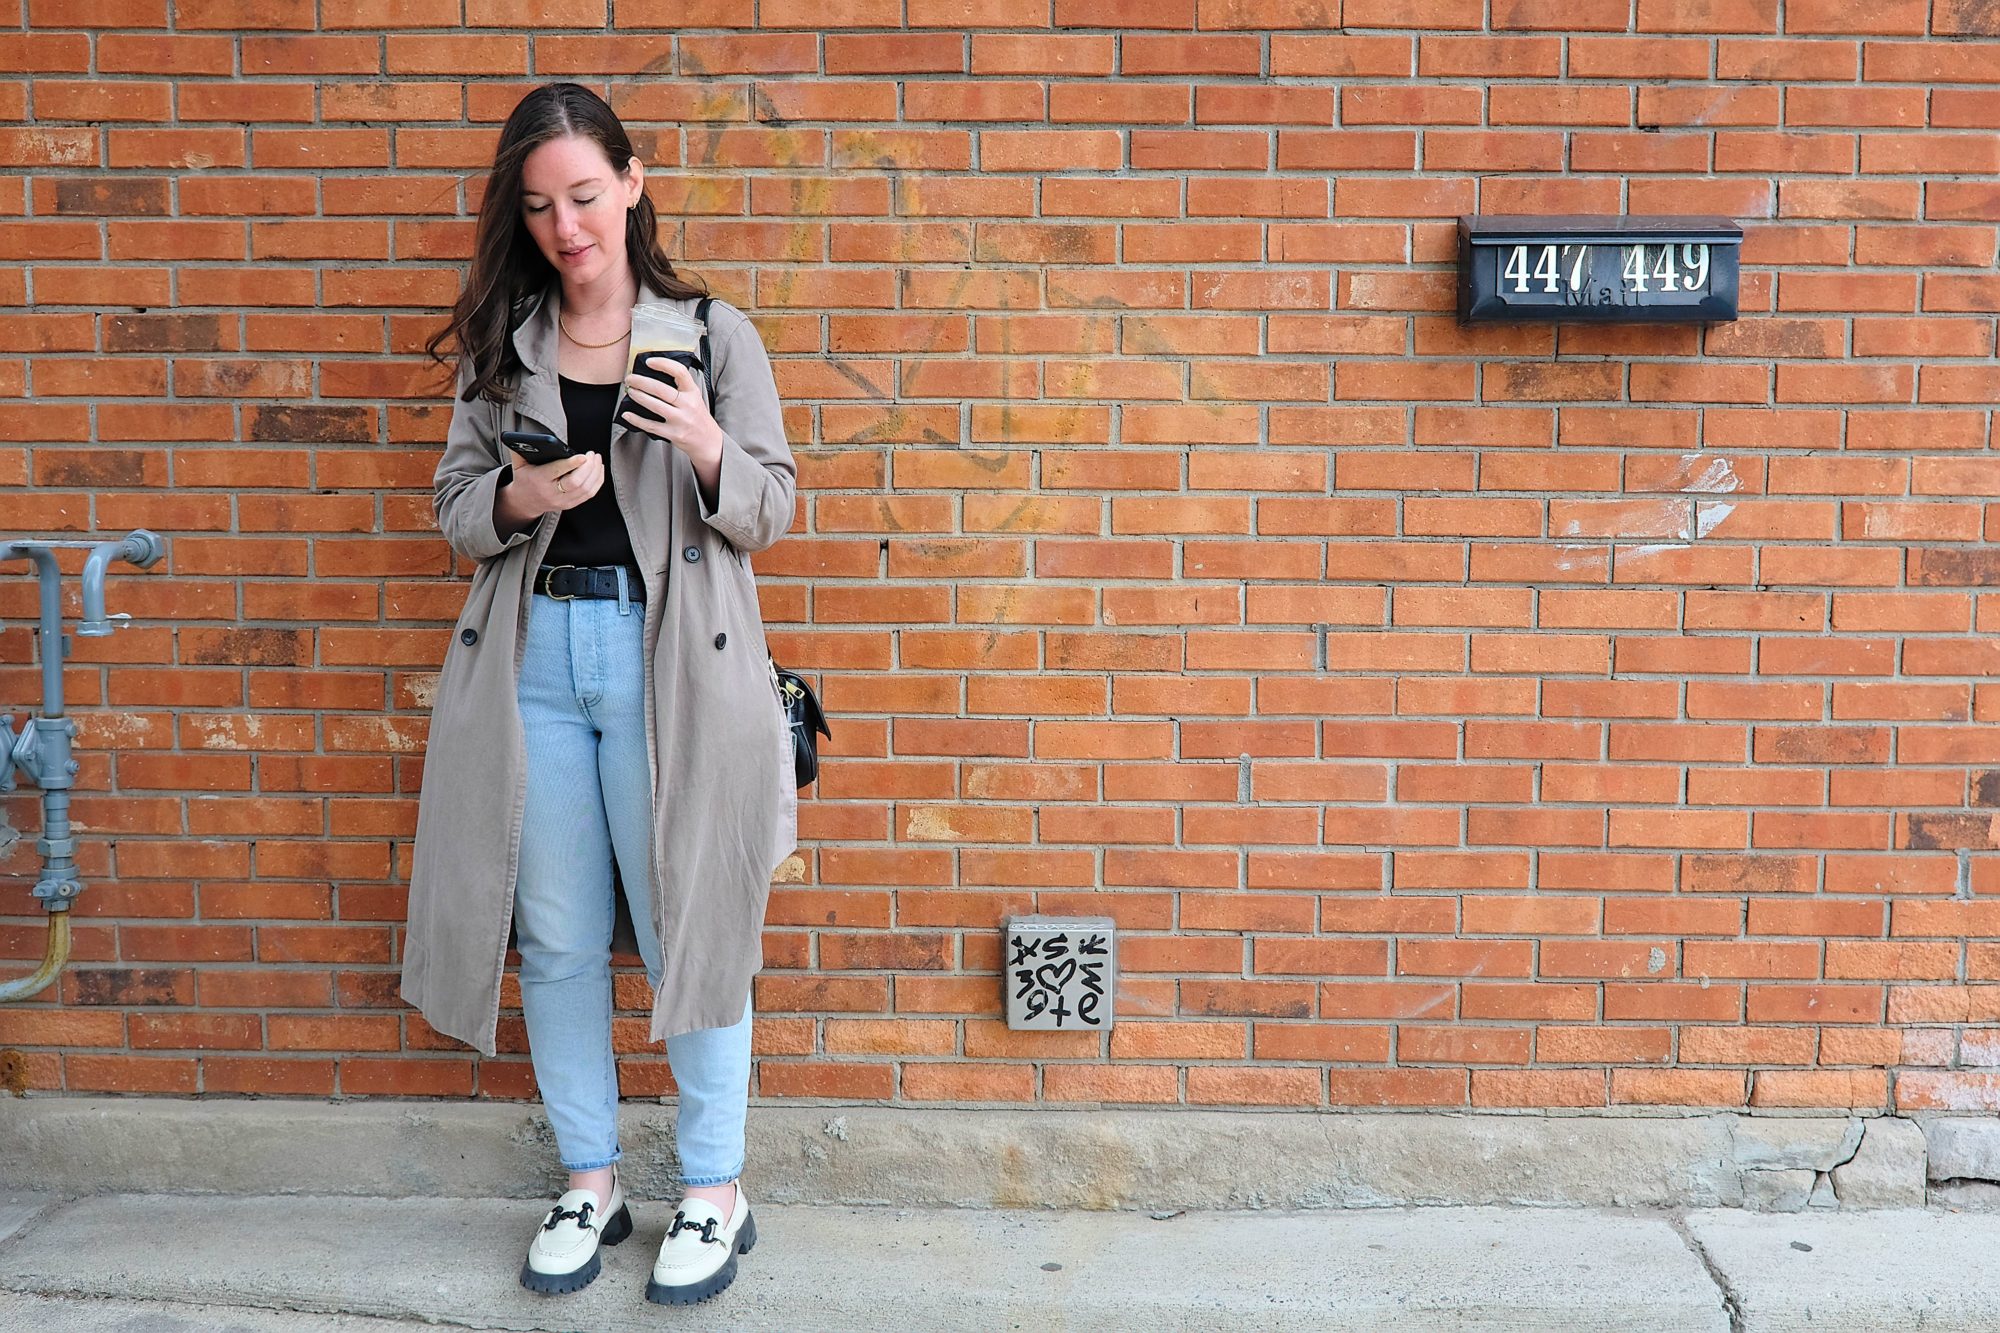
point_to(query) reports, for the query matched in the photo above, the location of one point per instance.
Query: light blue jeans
(583, 706)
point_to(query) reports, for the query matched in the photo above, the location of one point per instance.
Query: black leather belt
(564, 582)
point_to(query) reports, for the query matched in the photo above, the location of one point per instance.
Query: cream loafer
(698, 1258)
(563, 1256)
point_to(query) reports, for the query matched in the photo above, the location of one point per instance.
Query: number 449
(1690, 273)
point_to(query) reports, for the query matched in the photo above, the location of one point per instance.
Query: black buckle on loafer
(707, 1229)
(558, 1214)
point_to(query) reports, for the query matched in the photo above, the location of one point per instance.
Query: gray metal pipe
(140, 548)
(49, 635)
(42, 750)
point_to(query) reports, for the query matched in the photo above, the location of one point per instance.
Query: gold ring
(561, 489)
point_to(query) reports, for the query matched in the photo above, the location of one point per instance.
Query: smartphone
(535, 446)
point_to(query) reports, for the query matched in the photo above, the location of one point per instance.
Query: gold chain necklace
(581, 343)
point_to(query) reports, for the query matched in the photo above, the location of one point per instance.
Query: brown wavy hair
(508, 274)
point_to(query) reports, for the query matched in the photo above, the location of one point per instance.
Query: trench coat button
(721, 639)
(469, 637)
(691, 554)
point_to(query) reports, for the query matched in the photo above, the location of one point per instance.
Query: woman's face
(574, 203)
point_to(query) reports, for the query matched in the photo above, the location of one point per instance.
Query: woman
(606, 692)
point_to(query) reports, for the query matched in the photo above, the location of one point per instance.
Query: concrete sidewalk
(167, 1263)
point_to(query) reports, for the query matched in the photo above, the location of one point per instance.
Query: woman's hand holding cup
(672, 393)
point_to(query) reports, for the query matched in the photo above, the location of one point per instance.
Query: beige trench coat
(725, 808)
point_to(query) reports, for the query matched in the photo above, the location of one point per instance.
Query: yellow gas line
(52, 961)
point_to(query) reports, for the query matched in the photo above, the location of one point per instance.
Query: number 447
(1547, 266)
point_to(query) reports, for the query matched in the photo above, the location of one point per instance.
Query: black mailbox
(1609, 270)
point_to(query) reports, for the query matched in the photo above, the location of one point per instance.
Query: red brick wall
(1496, 716)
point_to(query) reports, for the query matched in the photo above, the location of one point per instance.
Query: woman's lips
(571, 256)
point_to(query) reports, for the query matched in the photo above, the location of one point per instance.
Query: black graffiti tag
(1044, 968)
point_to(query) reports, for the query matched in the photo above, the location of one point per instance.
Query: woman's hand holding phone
(541, 488)
(562, 484)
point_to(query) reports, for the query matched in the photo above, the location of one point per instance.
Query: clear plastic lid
(657, 327)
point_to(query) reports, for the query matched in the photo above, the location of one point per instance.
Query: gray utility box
(1060, 972)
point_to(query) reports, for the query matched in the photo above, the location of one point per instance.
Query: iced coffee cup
(661, 330)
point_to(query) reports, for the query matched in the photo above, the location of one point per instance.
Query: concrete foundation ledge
(1068, 1158)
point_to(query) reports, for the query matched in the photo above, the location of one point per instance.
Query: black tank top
(594, 532)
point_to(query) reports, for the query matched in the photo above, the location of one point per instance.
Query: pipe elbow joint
(139, 547)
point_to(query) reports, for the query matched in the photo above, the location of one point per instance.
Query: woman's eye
(537, 208)
(583, 202)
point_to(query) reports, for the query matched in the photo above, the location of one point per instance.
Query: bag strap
(701, 308)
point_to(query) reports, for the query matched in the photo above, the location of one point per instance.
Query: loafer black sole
(693, 1293)
(561, 1284)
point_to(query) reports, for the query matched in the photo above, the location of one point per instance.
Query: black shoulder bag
(801, 705)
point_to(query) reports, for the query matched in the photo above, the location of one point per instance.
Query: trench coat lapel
(539, 396)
